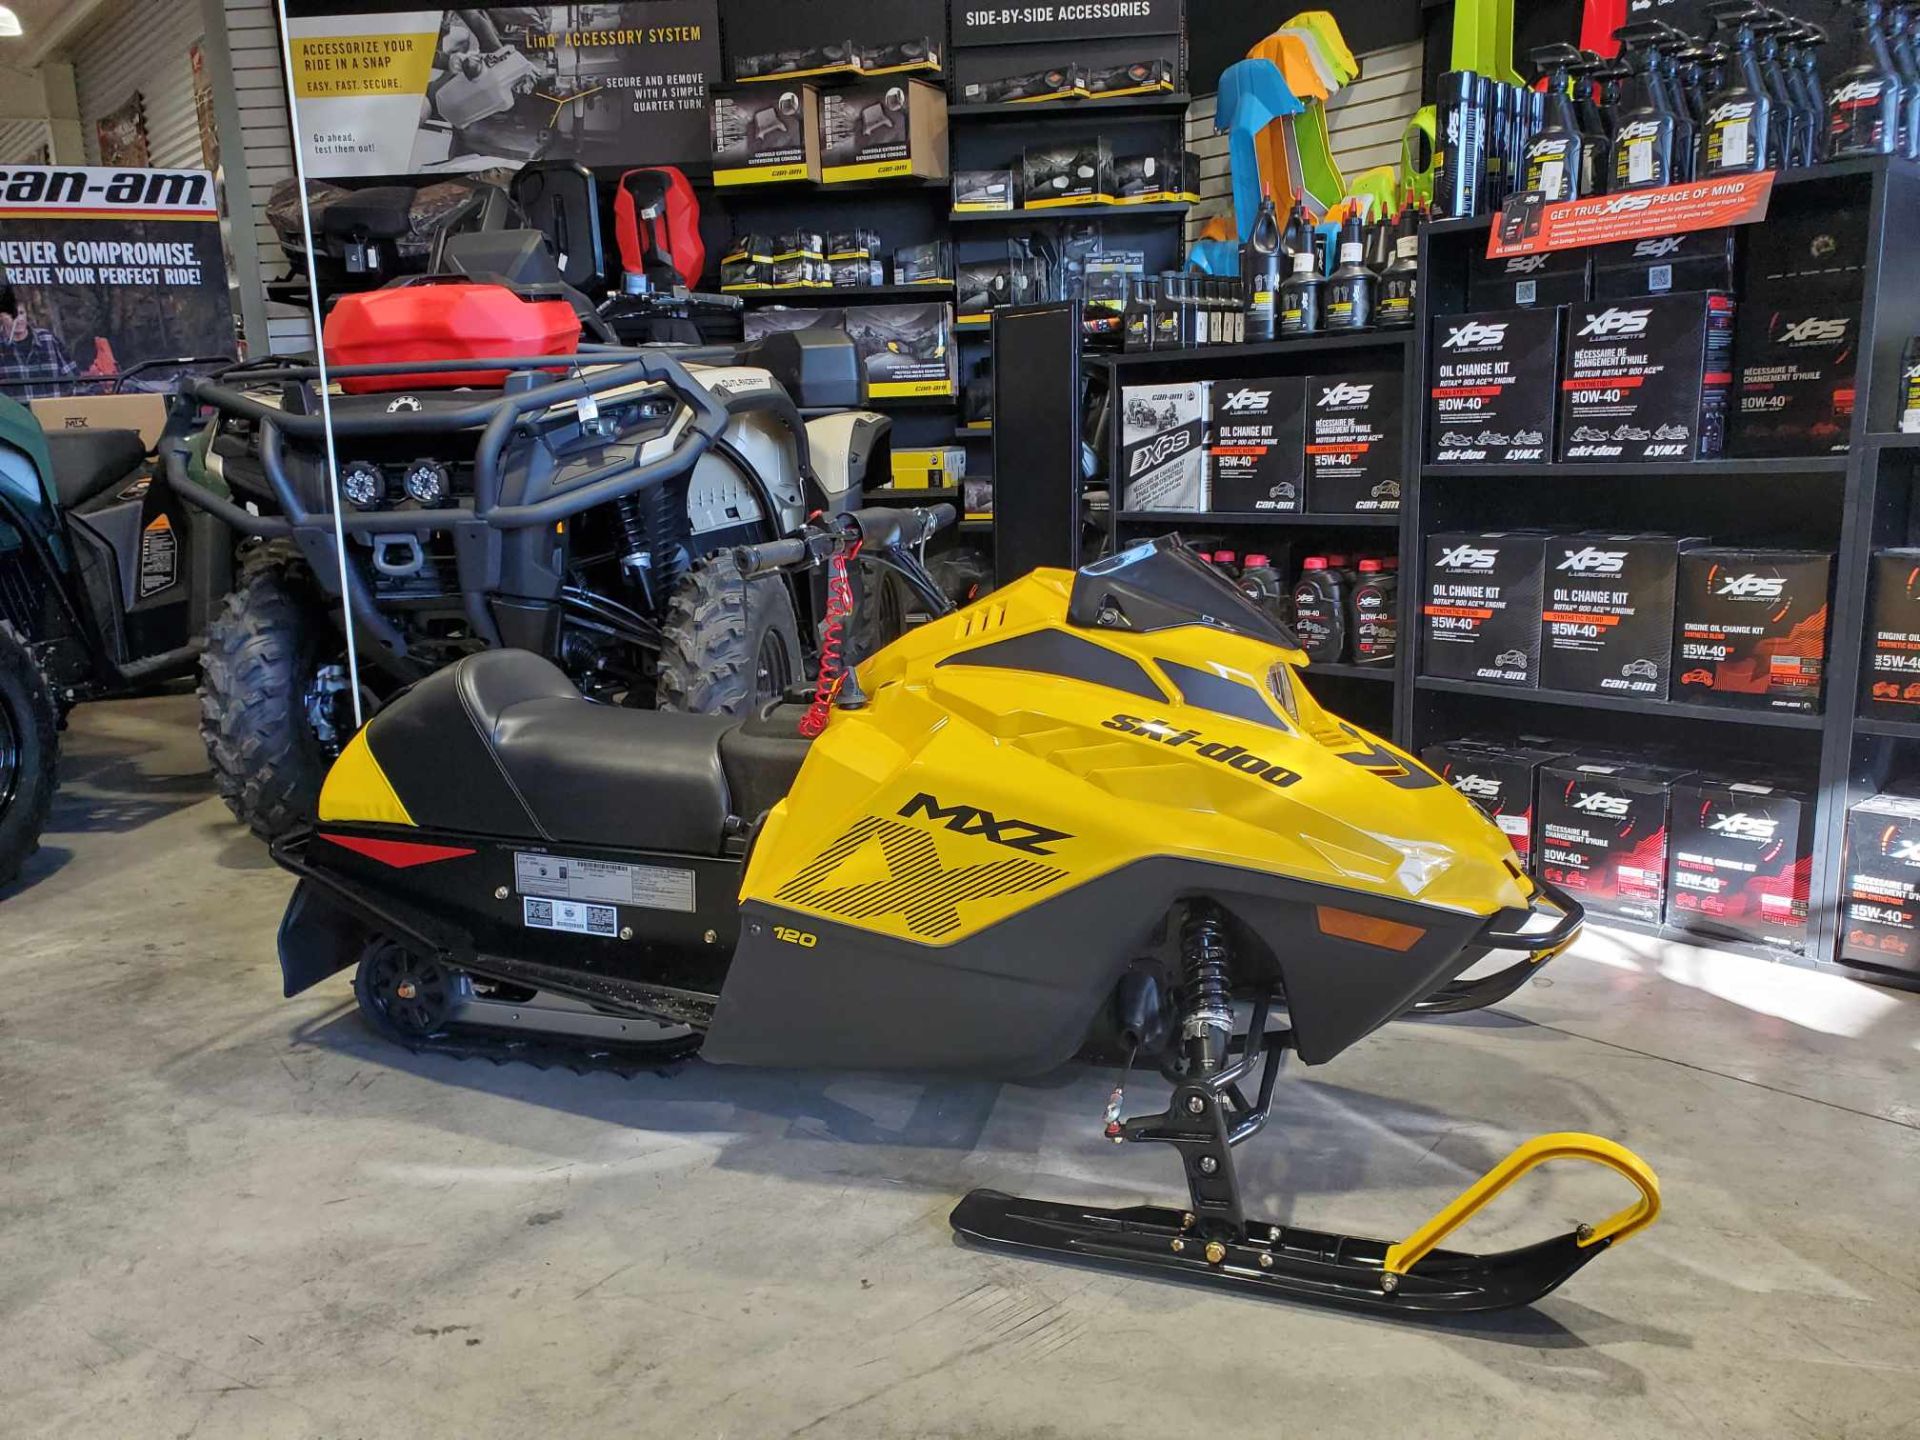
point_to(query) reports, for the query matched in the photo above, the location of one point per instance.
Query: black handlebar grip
(755, 560)
(940, 516)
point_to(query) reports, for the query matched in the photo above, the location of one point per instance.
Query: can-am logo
(1753, 587)
(1597, 802)
(1241, 401)
(1477, 787)
(1615, 321)
(1595, 562)
(1468, 557)
(1345, 394)
(1162, 450)
(1657, 249)
(1742, 826)
(1814, 329)
(1473, 333)
(1526, 264)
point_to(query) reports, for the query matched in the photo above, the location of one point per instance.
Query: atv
(503, 483)
(106, 581)
(1095, 815)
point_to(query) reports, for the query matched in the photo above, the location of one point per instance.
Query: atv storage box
(1603, 834)
(1493, 398)
(766, 135)
(1750, 628)
(1740, 860)
(1355, 462)
(1480, 613)
(1259, 455)
(880, 129)
(904, 349)
(1794, 385)
(1500, 779)
(1556, 277)
(1163, 450)
(1892, 683)
(1607, 627)
(1057, 175)
(1882, 892)
(1664, 265)
(443, 322)
(1647, 380)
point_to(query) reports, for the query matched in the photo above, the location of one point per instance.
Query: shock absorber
(636, 554)
(1207, 1025)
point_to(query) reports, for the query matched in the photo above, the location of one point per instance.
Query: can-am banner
(422, 91)
(103, 270)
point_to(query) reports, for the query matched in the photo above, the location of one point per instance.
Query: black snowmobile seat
(762, 756)
(380, 213)
(500, 743)
(88, 463)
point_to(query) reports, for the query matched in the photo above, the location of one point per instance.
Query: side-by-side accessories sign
(1068, 20)
(1528, 225)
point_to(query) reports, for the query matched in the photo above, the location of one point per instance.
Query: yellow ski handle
(1562, 1145)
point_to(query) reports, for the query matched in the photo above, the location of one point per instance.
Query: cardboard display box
(1648, 379)
(905, 349)
(879, 129)
(1480, 610)
(1740, 860)
(1881, 894)
(1794, 381)
(1500, 779)
(1259, 454)
(1052, 176)
(1163, 451)
(1493, 398)
(766, 136)
(67, 413)
(1891, 682)
(1607, 622)
(1556, 277)
(1750, 627)
(1603, 834)
(1354, 435)
(1665, 265)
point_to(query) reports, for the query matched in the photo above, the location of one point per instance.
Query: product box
(1556, 277)
(1882, 892)
(762, 137)
(1891, 683)
(1163, 451)
(1664, 265)
(980, 290)
(1500, 779)
(1647, 379)
(1750, 628)
(1493, 398)
(66, 414)
(1814, 250)
(1603, 834)
(985, 192)
(1259, 453)
(1480, 612)
(1607, 626)
(748, 264)
(905, 349)
(1354, 443)
(878, 129)
(1057, 175)
(1142, 77)
(837, 57)
(1740, 860)
(918, 55)
(1794, 381)
(929, 469)
(1166, 176)
(928, 264)
(1108, 274)
(1062, 82)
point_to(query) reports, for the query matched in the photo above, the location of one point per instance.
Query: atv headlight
(1280, 686)
(363, 484)
(427, 483)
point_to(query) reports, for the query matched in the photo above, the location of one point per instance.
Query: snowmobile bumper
(1549, 926)
(1412, 1277)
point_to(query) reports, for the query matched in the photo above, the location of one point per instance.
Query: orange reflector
(1367, 929)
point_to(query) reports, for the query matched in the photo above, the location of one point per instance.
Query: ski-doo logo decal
(1814, 329)
(1234, 757)
(1478, 787)
(1615, 321)
(968, 820)
(1473, 334)
(1162, 450)
(1657, 249)
(1597, 802)
(1758, 587)
(918, 886)
(1345, 394)
(1591, 561)
(1468, 557)
(1241, 401)
(1742, 826)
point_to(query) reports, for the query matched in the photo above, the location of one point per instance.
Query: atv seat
(88, 463)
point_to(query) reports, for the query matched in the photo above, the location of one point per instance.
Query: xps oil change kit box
(1480, 612)
(1492, 397)
(1794, 383)
(1603, 834)
(1882, 893)
(1259, 454)
(1740, 860)
(1647, 379)
(1500, 779)
(1554, 277)
(766, 135)
(1163, 446)
(1892, 682)
(1607, 621)
(1354, 449)
(1750, 628)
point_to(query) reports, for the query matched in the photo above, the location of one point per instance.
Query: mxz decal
(1234, 757)
(969, 820)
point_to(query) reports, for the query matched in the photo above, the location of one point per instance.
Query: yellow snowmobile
(1094, 815)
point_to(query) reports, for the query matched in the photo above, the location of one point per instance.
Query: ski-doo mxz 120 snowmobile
(1095, 814)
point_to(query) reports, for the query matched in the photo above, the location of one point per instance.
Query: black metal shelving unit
(1852, 504)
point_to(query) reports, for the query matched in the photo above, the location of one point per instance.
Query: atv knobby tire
(29, 752)
(728, 644)
(260, 653)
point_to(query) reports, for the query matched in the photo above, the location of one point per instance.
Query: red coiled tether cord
(833, 674)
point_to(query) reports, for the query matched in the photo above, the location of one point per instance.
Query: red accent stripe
(400, 854)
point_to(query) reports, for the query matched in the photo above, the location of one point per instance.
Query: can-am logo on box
(1591, 561)
(1615, 321)
(1343, 394)
(1474, 335)
(1468, 557)
(1248, 402)
(1596, 802)
(1752, 587)
(1741, 826)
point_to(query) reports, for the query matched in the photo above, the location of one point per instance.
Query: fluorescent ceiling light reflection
(9, 24)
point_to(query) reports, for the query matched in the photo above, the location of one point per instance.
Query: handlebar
(878, 528)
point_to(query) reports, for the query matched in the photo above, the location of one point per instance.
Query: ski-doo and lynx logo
(1473, 334)
(1162, 449)
(971, 820)
(1752, 587)
(1814, 329)
(1344, 394)
(1592, 561)
(1615, 321)
(1240, 402)
(1468, 557)
(1657, 249)
(1759, 829)
(1234, 757)
(1598, 802)
(1476, 787)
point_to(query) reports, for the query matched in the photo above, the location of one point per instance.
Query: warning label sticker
(654, 887)
(159, 556)
(571, 915)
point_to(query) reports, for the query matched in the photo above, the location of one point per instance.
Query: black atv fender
(329, 921)
(318, 938)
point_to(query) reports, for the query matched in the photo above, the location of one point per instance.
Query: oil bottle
(1320, 611)
(1260, 270)
(1864, 112)
(1460, 165)
(1140, 322)
(1555, 165)
(1400, 282)
(1376, 614)
(1351, 287)
(1301, 297)
(1166, 315)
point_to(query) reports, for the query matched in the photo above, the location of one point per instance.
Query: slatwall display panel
(1365, 122)
(20, 140)
(142, 45)
(253, 38)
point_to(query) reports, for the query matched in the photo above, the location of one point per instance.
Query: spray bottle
(1811, 90)
(1596, 139)
(1900, 49)
(1557, 166)
(1643, 143)
(1740, 134)
(1868, 102)
(1667, 46)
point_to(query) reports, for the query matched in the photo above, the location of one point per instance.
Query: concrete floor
(224, 1214)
